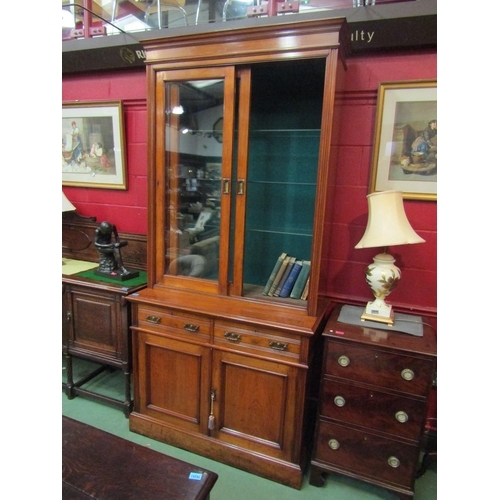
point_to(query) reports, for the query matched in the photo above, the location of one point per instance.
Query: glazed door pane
(283, 142)
(193, 173)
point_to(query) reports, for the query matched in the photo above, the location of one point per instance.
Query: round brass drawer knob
(344, 361)
(407, 374)
(402, 417)
(339, 401)
(393, 462)
(334, 444)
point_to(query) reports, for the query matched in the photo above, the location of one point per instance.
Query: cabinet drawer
(257, 340)
(383, 368)
(398, 415)
(366, 454)
(167, 321)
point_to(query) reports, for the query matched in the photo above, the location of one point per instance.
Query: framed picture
(405, 143)
(93, 145)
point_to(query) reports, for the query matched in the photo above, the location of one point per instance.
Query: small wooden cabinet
(373, 404)
(95, 326)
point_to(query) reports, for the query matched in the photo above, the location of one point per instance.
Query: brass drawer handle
(334, 444)
(407, 374)
(153, 319)
(190, 327)
(344, 361)
(401, 417)
(339, 401)
(232, 337)
(393, 462)
(279, 346)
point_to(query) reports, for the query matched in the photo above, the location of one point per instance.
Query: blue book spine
(294, 273)
(300, 282)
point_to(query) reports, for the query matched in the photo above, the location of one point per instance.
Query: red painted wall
(347, 214)
(126, 209)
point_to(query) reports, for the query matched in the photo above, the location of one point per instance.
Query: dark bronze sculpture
(110, 259)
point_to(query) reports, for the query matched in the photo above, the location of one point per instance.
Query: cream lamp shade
(387, 222)
(67, 206)
(387, 226)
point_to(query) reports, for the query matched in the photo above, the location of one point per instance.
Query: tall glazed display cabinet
(241, 140)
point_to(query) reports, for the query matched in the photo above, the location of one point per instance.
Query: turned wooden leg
(69, 377)
(128, 397)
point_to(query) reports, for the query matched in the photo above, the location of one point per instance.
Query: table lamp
(387, 226)
(67, 206)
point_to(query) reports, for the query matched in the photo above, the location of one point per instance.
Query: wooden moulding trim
(246, 43)
(286, 473)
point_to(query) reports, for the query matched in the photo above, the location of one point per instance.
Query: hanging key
(211, 418)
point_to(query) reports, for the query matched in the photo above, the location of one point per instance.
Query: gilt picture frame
(93, 145)
(405, 140)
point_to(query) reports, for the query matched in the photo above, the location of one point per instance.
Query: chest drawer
(378, 410)
(400, 372)
(366, 454)
(262, 341)
(167, 321)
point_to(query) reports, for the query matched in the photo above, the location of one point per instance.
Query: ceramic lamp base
(382, 276)
(378, 311)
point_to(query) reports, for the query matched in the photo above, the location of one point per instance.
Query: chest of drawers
(372, 404)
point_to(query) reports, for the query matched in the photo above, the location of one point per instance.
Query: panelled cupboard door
(94, 320)
(173, 381)
(257, 404)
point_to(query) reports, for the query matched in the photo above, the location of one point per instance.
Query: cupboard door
(172, 381)
(193, 151)
(96, 322)
(275, 178)
(258, 404)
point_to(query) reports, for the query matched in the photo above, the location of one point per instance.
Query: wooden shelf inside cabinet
(95, 325)
(375, 385)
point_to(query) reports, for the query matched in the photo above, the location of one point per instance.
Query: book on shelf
(274, 272)
(278, 276)
(300, 282)
(290, 281)
(283, 279)
(305, 293)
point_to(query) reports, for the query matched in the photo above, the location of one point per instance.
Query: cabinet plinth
(373, 404)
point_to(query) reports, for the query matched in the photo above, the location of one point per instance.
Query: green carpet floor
(233, 484)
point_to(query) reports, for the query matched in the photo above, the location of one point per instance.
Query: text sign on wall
(383, 34)
(404, 32)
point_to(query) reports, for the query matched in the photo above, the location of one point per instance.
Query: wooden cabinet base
(279, 471)
(318, 471)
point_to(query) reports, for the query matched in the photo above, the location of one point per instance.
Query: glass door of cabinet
(192, 172)
(278, 154)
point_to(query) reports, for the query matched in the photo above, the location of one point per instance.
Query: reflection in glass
(193, 161)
